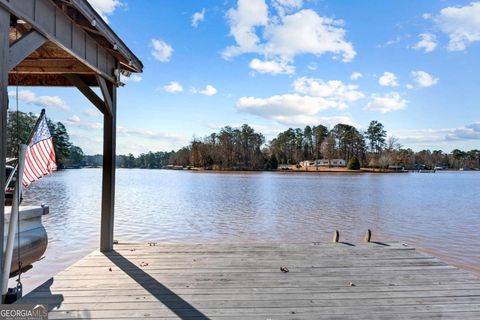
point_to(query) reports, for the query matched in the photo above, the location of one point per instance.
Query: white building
(324, 163)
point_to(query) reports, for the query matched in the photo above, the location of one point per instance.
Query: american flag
(40, 157)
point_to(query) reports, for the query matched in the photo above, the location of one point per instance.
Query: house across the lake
(324, 163)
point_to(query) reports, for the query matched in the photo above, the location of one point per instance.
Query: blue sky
(412, 65)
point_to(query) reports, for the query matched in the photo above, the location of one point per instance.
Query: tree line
(229, 149)
(19, 129)
(245, 149)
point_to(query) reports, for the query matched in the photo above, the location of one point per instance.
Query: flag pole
(12, 174)
(14, 212)
(13, 221)
(42, 114)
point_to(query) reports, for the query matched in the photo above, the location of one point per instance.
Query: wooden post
(108, 179)
(4, 54)
(368, 236)
(336, 236)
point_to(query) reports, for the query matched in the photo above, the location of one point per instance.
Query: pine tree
(354, 164)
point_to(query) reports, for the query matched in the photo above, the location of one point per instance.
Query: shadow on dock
(167, 297)
(347, 243)
(54, 301)
(380, 243)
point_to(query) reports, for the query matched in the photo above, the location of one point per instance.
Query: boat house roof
(67, 37)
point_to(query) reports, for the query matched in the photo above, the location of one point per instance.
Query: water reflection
(439, 212)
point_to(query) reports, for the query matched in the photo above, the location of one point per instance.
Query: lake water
(439, 213)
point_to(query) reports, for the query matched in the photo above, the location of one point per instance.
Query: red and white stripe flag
(40, 158)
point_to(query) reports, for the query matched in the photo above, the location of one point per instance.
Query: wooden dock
(244, 281)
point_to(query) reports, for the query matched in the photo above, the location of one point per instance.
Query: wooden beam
(23, 47)
(108, 177)
(56, 26)
(34, 79)
(52, 66)
(87, 92)
(106, 94)
(4, 48)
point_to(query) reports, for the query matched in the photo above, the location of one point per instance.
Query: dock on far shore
(260, 281)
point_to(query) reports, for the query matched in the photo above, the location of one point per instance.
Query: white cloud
(427, 16)
(162, 51)
(92, 125)
(312, 66)
(469, 132)
(334, 90)
(89, 144)
(243, 20)
(390, 42)
(388, 79)
(286, 6)
(465, 133)
(423, 79)
(140, 140)
(356, 76)
(271, 66)
(305, 120)
(198, 17)
(132, 78)
(427, 43)
(461, 24)
(173, 87)
(268, 130)
(307, 32)
(386, 103)
(208, 91)
(286, 35)
(105, 7)
(280, 107)
(91, 112)
(30, 97)
(311, 97)
(74, 119)
(149, 134)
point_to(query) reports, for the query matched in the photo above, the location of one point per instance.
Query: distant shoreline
(300, 170)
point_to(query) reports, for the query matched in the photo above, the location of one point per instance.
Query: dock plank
(244, 281)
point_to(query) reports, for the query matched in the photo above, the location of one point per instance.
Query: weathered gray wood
(131, 293)
(159, 309)
(23, 47)
(106, 95)
(43, 19)
(4, 46)
(108, 178)
(86, 9)
(406, 316)
(87, 91)
(243, 281)
(464, 315)
(285, 298)
(51, 66)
